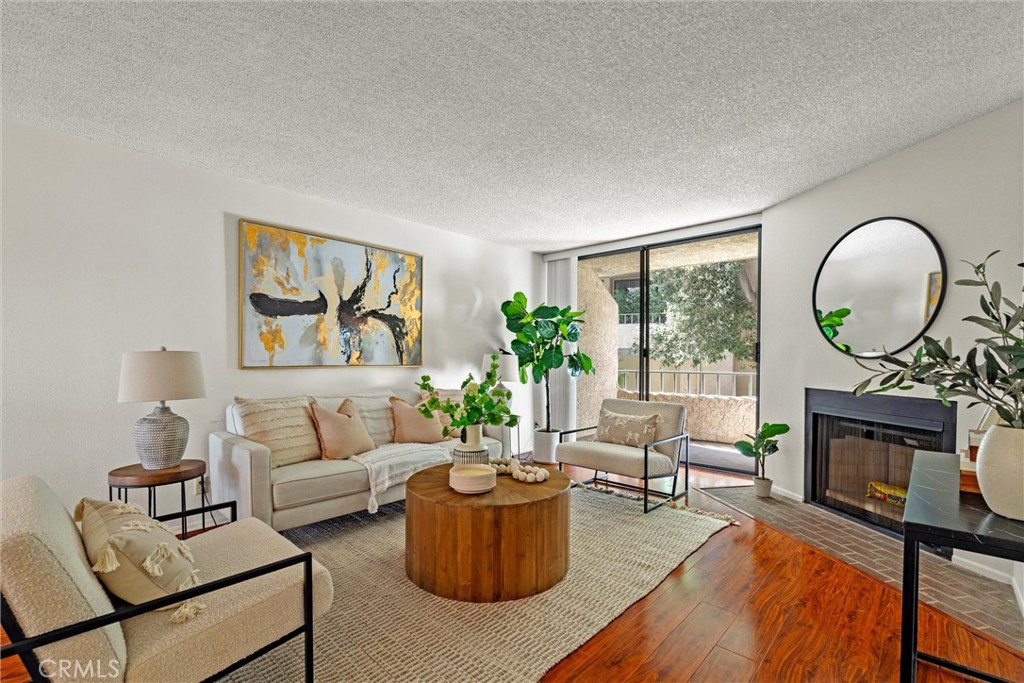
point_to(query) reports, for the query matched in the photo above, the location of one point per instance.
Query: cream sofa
(47, 583)
(313, 490)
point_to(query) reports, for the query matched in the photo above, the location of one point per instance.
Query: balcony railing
(634, 318)
(693, 382)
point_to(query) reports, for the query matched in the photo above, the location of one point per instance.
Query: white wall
(106, 250)
(964, 186)
(1018, 583)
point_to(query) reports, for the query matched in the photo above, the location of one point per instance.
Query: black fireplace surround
(852, 442)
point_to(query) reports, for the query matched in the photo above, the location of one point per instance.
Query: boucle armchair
(654, 456)
(260, 591)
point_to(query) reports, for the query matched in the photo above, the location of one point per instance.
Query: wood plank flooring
(754, 604)
(11, 669)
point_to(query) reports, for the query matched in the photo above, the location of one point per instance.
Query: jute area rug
(381, 627)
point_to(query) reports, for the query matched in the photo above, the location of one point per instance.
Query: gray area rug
(381, 627)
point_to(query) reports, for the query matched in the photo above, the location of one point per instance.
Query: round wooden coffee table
(508, 543)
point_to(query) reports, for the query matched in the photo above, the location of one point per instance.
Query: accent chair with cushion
(258, 591)
(637, 439)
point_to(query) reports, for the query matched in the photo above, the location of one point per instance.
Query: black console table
(936, 514)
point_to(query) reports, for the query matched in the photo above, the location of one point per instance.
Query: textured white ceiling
(539, 125)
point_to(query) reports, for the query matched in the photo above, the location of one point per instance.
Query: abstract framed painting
(311, 300)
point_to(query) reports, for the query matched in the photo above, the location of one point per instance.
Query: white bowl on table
(472, 479)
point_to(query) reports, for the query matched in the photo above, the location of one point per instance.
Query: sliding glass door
(678, 322)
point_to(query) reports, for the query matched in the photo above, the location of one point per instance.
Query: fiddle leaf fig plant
(830, 323)
(762, 444)
(991, 373)
(543, 342)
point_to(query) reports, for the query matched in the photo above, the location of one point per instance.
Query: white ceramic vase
(1001, 471)
(544, 444)
(471, 451)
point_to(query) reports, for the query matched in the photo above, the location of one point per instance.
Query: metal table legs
(122, 495)
(909, 654)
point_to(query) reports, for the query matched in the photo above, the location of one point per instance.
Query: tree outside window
(706, 313)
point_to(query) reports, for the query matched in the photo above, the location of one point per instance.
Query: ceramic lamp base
(160, 439)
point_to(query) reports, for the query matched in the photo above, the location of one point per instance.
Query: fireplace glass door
(864, 466)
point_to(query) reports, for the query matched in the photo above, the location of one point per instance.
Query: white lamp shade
(160, 376)
(508, 366)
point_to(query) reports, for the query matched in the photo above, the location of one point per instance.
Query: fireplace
(859, 450)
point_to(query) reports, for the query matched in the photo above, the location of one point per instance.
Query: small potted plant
(484, 402)
(542, 336)
(760, 447)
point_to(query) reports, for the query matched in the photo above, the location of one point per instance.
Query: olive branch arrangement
(991, 373)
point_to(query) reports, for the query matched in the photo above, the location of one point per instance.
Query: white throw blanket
(394, 463)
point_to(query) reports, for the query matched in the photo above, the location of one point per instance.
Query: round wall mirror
(879, 287)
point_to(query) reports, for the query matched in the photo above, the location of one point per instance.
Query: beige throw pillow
(628, 430)
(284, 425)
(411, 427)
(342, 434)
(136, 558)
(375, 412)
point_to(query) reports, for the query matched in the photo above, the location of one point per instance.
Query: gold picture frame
(933, 294)
(308, 299)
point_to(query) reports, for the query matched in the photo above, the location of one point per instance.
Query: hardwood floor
(11, 669)
(754, 604)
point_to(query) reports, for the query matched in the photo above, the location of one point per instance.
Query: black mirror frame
(927, 324)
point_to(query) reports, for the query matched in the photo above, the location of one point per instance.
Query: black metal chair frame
(683, 447)
(23, 646)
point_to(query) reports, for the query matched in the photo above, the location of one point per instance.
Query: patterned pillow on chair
(136, 557)
(628, 430)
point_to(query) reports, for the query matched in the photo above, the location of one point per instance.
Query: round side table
(137, 477)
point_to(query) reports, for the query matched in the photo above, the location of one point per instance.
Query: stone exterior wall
(599, 340)
(719, 419)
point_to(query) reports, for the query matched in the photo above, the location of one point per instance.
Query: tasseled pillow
(135, 557)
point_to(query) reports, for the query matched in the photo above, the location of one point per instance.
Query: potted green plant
(760, 446)
(483, 402)
(543, 343)
(991, 373)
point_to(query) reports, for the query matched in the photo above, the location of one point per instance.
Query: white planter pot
(1001, 471)
(470, 451)
(544, 444)
(762, 487)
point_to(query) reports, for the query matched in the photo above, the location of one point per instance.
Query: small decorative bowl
(472, 479)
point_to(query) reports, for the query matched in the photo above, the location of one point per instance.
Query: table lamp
(161, 436)
(508, 366)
